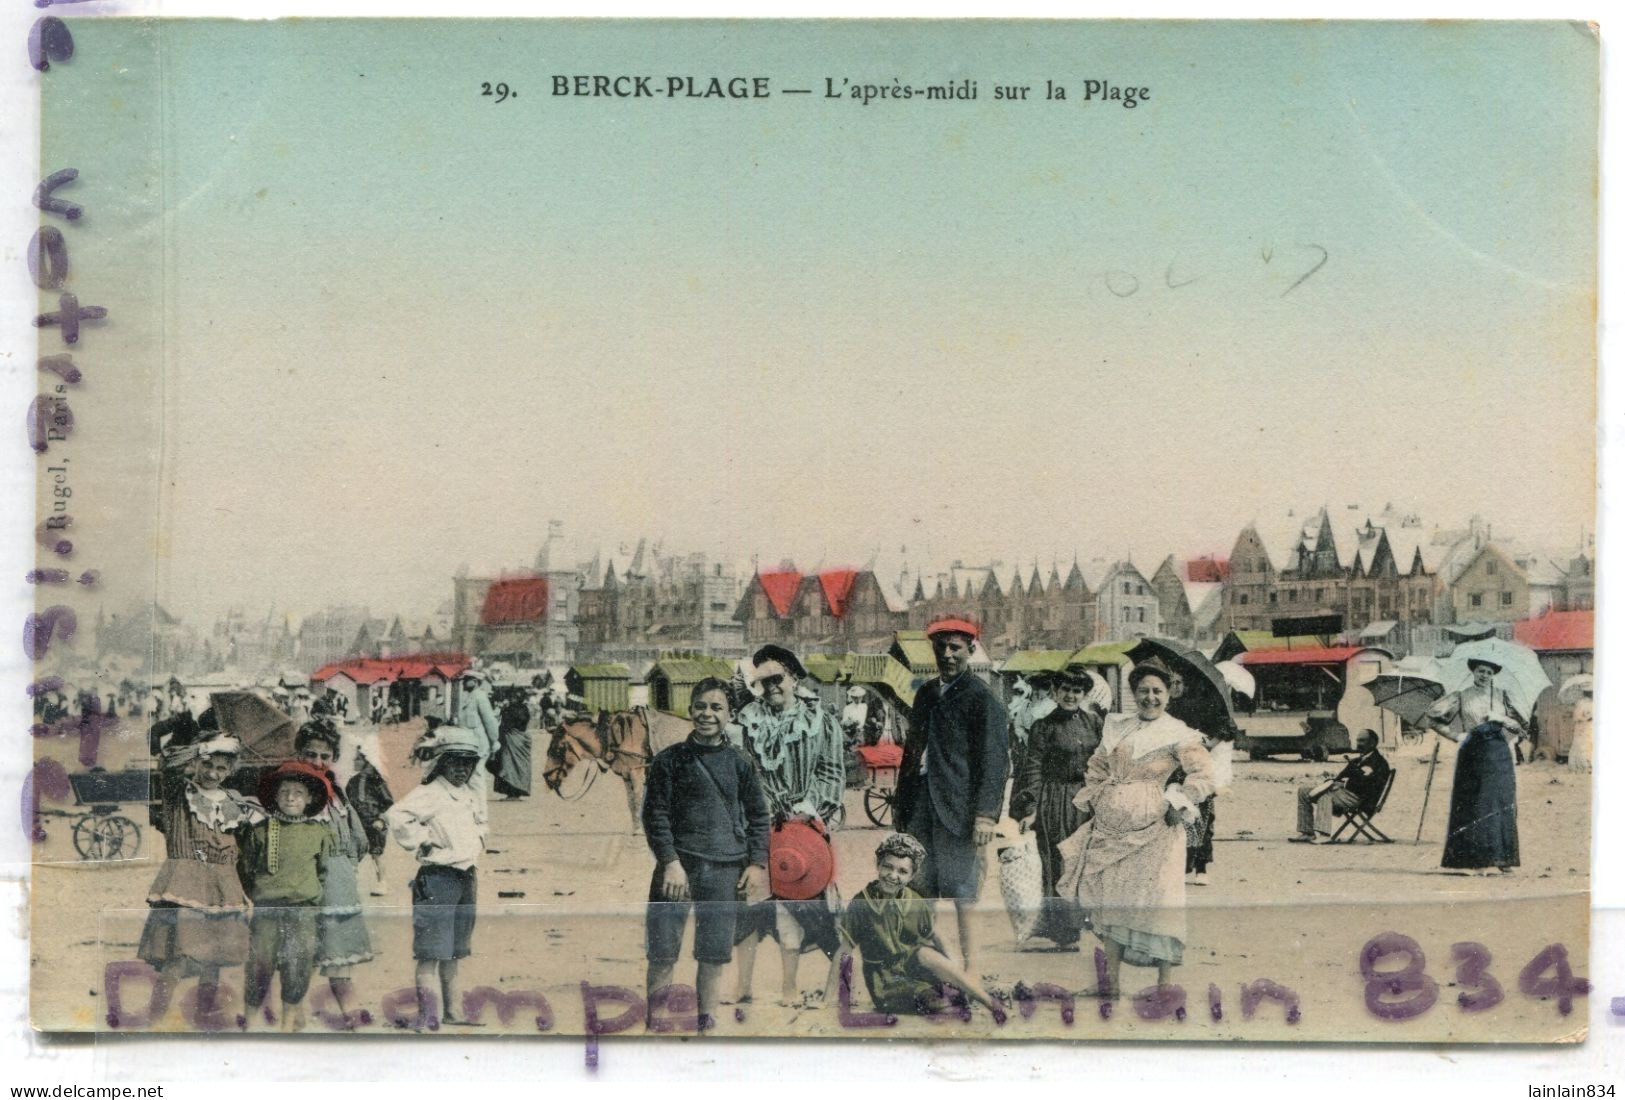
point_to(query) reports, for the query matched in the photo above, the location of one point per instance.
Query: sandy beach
(561, 904)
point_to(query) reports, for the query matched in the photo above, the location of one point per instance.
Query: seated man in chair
(1357, 786)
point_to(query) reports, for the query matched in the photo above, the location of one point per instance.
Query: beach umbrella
(1574, 689)
(264, 729)
(1408, 695)
(1238, 678)
(1205, 705)
(1521, 675)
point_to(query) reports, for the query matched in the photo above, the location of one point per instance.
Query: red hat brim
(309, 774)
(800, 861)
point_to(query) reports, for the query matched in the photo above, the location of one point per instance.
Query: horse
(623, 742)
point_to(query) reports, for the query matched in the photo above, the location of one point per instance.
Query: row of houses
(1388, 568)
(1382, 576)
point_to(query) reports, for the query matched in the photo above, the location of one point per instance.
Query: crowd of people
(738, 818)
(1115, 802)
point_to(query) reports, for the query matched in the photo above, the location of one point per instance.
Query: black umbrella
(1409, 695)
(1205, 703)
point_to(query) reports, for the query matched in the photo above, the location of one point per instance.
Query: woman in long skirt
(511, 768)
(1130, 860)
(1052, 772)
(1483, 828)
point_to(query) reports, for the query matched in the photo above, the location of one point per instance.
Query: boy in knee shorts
(443, 823)
(707, 824)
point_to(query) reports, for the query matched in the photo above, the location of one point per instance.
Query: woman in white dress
(1131, 878)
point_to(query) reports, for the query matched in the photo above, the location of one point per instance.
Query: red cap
(953, 626)
(800, 862)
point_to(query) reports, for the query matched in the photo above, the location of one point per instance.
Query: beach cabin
(605, 686)
(672, 677)
(1564, 641)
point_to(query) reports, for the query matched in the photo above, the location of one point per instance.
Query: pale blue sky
(405, 326)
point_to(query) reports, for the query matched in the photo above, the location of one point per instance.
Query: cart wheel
(836, 819)
(101, 838)
(878, 805)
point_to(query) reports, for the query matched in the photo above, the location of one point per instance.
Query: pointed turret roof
(1074, 579)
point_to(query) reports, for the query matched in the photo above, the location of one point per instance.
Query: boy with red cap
(283, 863)
(951, 784)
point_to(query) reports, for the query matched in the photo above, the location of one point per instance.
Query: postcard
(932, 529)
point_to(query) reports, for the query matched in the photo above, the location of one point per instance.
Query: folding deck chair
(1360, 820)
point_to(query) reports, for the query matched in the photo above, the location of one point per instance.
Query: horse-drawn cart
(100, 832)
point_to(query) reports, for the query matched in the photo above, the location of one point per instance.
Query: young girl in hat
(283, 864)
(341, 932)
(199, 917)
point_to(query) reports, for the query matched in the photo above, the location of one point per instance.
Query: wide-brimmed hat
(800, 861)
(1475, 663)
(779, 655)
(451, 741)
(954, 626)
(314, 779)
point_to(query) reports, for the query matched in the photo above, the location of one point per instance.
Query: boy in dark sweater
(707, 823)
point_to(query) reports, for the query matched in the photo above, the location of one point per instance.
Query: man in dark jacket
(1357, 786)
(951, 785)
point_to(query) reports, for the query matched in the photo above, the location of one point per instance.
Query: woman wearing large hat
(1052, 771)
(1483, 828)
(1130, 872)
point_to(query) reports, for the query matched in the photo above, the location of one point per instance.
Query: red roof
(1335, 655)
(1207, 570)
(1557, 630)
(780, 588)
(837, 585)
(372, 670)
(522, 600)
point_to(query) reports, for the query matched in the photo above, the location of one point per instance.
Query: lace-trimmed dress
(199, 910)
(1131, 870)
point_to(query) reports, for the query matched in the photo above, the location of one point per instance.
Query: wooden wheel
(877, 803)
(111, 837)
